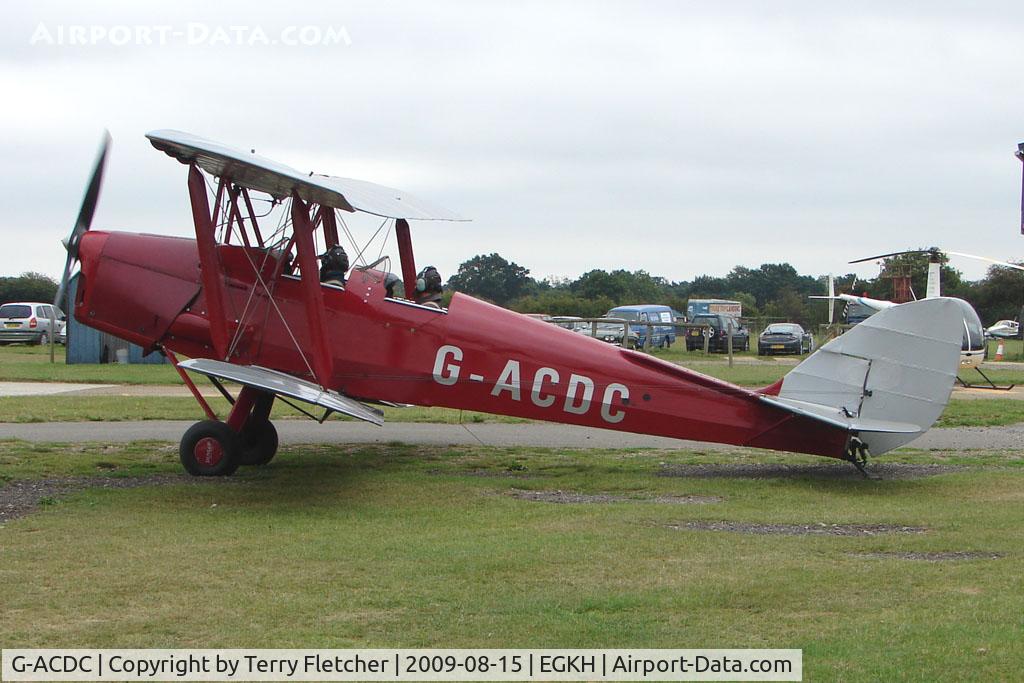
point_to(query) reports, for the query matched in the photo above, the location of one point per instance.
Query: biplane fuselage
(473, 355)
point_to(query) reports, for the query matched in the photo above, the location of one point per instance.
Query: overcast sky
(678, 138)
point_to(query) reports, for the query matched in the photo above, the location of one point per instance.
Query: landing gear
(209, 449)
(991, 384)
(258, 444)
(212, 448)
(857, 453)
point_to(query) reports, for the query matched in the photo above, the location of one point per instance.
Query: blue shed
(88, 345)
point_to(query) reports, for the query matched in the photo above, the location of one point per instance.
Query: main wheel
(209, 449)
(44, 339)
(258, 444)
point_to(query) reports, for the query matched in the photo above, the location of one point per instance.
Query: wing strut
(405, 253)
(312, 294)
(206, 243)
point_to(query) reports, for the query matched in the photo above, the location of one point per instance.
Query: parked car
(784, 338)
(573, 323)
(28, 322)
(719, 341)
(612, 333)
(640, 315)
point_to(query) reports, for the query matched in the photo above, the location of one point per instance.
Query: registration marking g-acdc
(579, 392)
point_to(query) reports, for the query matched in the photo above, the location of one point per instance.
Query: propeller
(935, 253)
(85, 214)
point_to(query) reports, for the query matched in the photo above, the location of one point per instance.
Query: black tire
(209, 449)
(44, 339)
(258, 444)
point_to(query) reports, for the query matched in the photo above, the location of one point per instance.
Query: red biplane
(245, 304)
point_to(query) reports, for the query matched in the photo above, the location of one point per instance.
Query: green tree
(999, 296)
(28, 287)
(562, 302)
(493, 278)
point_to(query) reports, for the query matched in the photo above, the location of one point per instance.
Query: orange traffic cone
(1000, 351)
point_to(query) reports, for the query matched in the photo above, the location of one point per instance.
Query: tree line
(28, 287)
(772, 290)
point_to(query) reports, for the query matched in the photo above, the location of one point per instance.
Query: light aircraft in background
(1004, 329)
(244, 302)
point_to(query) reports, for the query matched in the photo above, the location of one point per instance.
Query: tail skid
(886, 381)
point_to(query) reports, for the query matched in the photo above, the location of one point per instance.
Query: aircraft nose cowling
(90, 246)
(134, 286)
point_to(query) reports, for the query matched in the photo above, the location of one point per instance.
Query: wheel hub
(208, 451)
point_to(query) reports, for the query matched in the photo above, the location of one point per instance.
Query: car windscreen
(15, 311)
(782, 329)
(625, 315)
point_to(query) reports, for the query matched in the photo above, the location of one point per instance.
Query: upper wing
(278, 180)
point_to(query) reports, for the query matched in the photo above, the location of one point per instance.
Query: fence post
(728, 342)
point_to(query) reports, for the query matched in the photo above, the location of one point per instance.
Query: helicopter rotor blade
(985, 258)
(895, 253)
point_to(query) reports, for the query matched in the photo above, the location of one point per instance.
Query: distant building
(87, 345)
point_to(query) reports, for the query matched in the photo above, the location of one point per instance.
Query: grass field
(32, 364)
(959, 413)
(124, 408)
(418, 547)
(21, 363)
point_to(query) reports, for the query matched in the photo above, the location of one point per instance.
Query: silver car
(28, 322)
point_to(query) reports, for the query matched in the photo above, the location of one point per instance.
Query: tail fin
(831, 297)
(887, 380)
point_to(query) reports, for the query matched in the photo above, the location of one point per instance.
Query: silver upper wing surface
(279, 180)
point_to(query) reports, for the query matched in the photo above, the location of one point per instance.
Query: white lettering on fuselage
(447, 373)
(575, 382)
(579, 392)
(508, 381)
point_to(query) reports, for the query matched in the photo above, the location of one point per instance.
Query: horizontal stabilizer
(840, 419)
(887, 380)
(284, 384)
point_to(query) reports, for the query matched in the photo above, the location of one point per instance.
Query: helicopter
(974, 347)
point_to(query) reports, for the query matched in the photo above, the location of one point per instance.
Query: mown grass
(994, 412)
(26, 409)
(72, 408)
(422, 547)
(21, 363)
(1013, 349)
(24, 363)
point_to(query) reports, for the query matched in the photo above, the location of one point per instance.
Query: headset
(428, 272)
